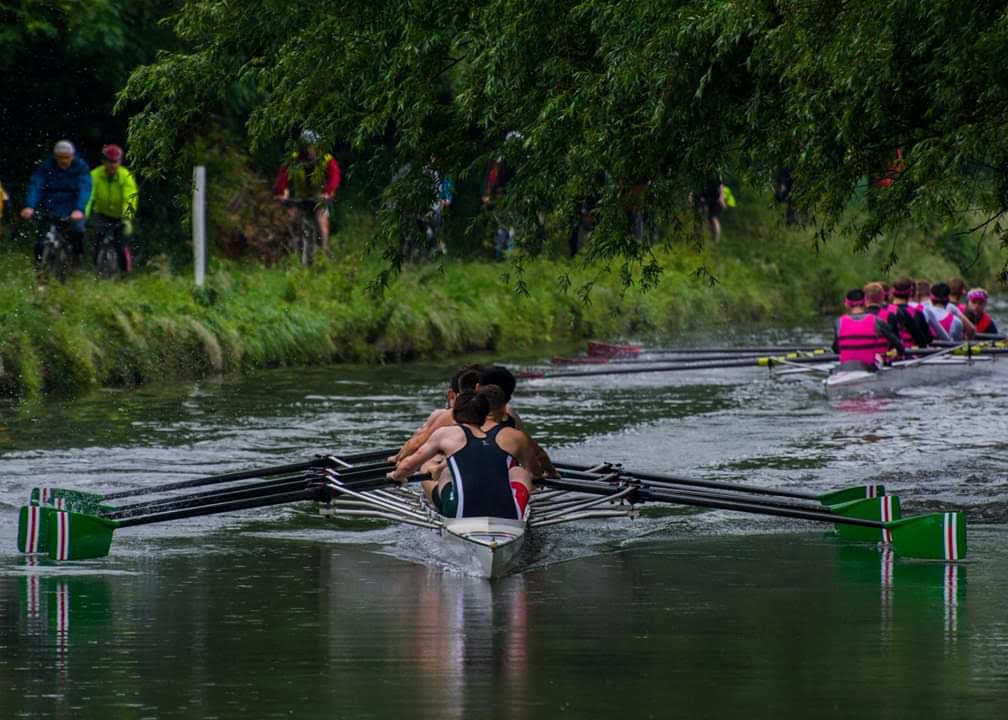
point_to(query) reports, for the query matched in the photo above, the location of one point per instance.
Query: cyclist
(114, 199)
(309, 176)
(61, 187)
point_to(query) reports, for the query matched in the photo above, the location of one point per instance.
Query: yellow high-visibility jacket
(115, 196)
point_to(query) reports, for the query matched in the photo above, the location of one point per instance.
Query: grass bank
(66, 339)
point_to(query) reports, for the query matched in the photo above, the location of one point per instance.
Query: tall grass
(64, 339)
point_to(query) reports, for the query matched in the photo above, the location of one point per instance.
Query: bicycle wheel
(309, 239)
(107, 262)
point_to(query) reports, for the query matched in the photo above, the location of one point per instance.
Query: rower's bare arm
(544, 461)
(444, 440)
(419, 437)
(523, 449)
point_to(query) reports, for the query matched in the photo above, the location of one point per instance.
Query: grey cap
(309, 137)
(64, 147)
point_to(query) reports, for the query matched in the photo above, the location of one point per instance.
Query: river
(277, 613)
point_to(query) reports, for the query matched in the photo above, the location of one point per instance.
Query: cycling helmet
(113, 153)
(64, 148)
(309, 137)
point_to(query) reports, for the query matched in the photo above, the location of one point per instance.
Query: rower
(957, 289)
(465, 379)
(862, 337)
(944, 322)
(503, 413)
(906, 320)
(922, 295)
(478, 462)
(976, 311)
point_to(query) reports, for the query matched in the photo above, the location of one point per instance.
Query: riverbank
(66, 339)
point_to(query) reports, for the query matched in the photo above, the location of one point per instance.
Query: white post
(199, 223)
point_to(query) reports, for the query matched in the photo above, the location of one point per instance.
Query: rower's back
(480, 473)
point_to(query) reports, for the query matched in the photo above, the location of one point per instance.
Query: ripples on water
(706, 610)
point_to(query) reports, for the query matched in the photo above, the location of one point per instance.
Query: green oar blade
(74, 500)
(936, 536)
(858, 492)
(884, 509)
(33, 528)
(76, 536)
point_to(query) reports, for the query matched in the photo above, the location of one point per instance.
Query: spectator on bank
(309, 175)
(711, 203)
(113, 203)
(60, 187)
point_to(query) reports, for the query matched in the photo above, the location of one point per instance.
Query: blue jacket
(57, 191)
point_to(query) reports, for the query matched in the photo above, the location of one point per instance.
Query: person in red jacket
(976, 311)
(310, 176)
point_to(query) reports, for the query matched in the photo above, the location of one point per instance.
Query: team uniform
(908, 322)
(944, 322)
(480, 484)
(861, 339)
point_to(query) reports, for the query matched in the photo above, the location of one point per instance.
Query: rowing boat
(486, 547)
(929, 371)
(73, 525)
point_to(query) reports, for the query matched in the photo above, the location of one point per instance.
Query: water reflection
(463, 641)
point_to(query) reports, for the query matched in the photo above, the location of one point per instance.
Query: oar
(926, 358)
(940, 536)
(92, 502)
(867, 502)
(79, 536)
(33, 533)
(833, 497)
(692, 358)
(676, 367)
(212, 496)
(736, 350)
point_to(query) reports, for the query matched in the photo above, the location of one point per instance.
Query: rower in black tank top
(480, 478)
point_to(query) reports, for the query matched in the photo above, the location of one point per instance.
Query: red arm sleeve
(281, 181)
(333, 178)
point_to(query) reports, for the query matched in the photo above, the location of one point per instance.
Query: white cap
(64, 148)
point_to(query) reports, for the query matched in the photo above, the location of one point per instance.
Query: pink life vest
(912, 312)
(858, 340)
(885, 312)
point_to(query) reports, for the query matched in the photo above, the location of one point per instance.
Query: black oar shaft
(687, 365)
(711, 484)
(646, 494)
(210, 498)
(219, 479)
(318, 462)
(265, 501)
(774, 349)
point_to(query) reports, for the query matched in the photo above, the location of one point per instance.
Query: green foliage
(659, 96)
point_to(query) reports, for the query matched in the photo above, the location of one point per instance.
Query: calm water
(275, 613)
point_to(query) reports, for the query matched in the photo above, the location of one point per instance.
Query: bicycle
(306, 240)
(107, 262)
(55, 260)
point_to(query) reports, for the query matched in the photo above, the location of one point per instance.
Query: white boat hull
(487, 547)
(900, 375)
(890, 379)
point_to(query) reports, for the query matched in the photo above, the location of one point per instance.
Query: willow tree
(654, 96)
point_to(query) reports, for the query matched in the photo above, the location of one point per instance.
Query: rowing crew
(481, 461)
(916, 315)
